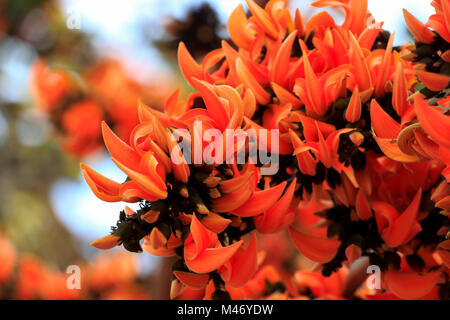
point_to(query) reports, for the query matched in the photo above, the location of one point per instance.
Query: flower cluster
(362, 142)
(76, 104)
(108, 277)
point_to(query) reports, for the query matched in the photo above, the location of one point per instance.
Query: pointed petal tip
(106, 242)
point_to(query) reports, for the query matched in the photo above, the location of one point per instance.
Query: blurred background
(64, 66)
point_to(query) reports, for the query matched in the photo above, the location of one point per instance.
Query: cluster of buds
(362, 154)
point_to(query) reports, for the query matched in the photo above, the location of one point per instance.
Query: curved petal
(419, 31)
(104, 188)
(212, 258)
(436, 124)
(237, 23)
(361, 70)
(384, 69)
(160, 252)
(144, 181)
(213, 104)
(390, 148)
(107, 242)
(157, 239)
(151, 167)
(306, 162)
(362, 206)
(400, 91)
(263, 19)
(233, 200)
(357, 15)
(410, 285)
(313, 86)
(280, 66)
(119, 150)
(433, 81)
(402, 226)
(249, 101)
(201, 239)
(325, 155)
(352, 253)
(367, 38)
(273, 218)
(233, 184)
(216, 223)
(353, 112)
(299, 23)
(316, 248)
(180, 167)
(130, 191)
(243, 265)
(382, 123)
(285, 96)
(192, 280)
(260, 201)
(385, 215)
(261, 95)
(189, 67)
(171, 104)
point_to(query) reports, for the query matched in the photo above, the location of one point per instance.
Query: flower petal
(316, 248)
(144, 181)
(237, 23)
(261, 95)
(411, 285)
(436, 124)
(382, 123)
(260, 201)
(188, 66)
(403, 225)
(419, 30)
(192, 280)
(105, 189)
(433, 81)
(280, 66)
(272, 219)
(212, 258)
(243, 265)
(119, 150)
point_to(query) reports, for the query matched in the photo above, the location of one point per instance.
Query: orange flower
(80, 124)
(49, 86)
(310, 239)
(411, 285)
(317, 286)
(145, 171)
(355, 13)
(361, 158)
(157, 244)
(35, 280)
(394, 228)
(242, 265)
(110, 269)
(439, 21)
(202, 251)
(279, 215)
(256, 288)
(419, 30)
(8, 258)
(425, 139)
